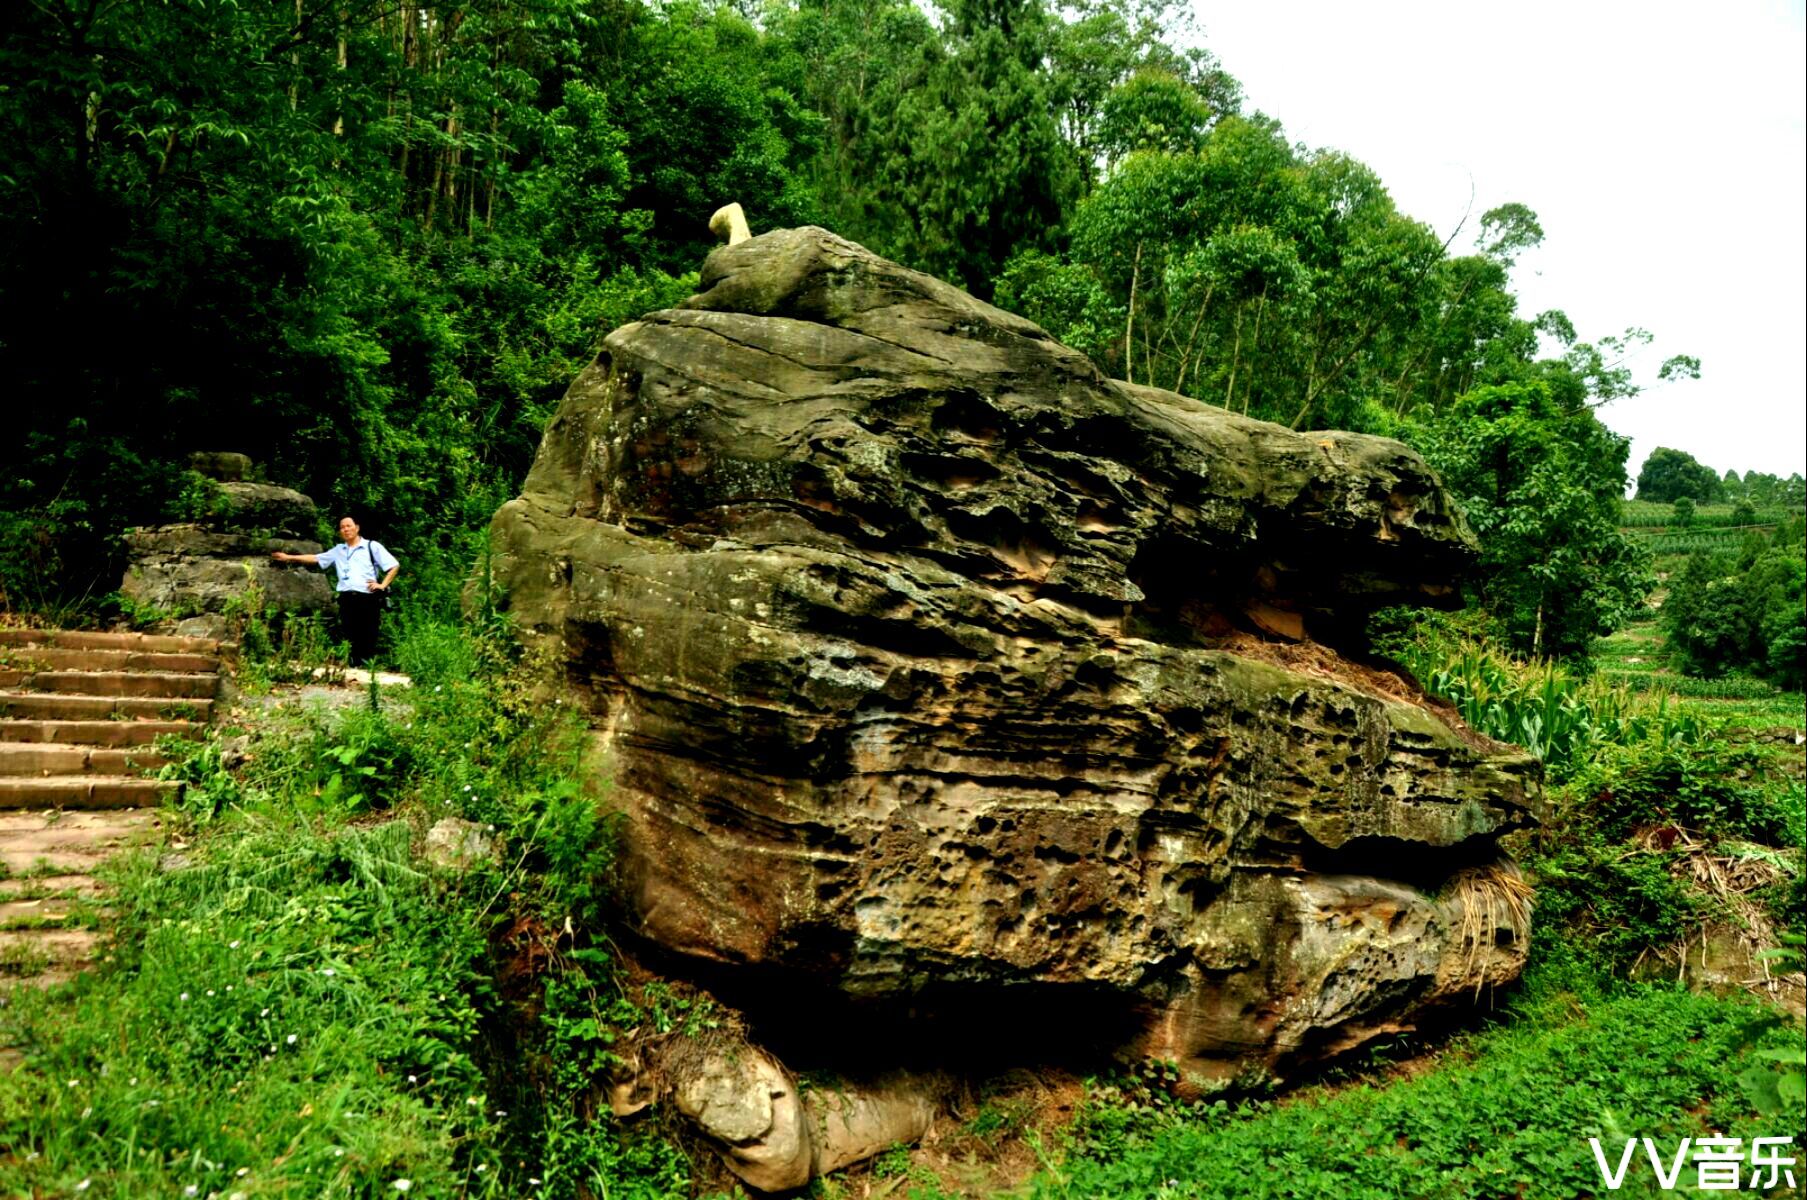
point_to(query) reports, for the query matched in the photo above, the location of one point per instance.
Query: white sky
(1663, 146)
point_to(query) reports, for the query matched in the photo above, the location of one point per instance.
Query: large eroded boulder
(933, 663)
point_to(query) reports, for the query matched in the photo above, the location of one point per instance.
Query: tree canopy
(1671, 475)
(370, 244)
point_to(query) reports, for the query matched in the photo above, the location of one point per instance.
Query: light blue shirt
(358, 565)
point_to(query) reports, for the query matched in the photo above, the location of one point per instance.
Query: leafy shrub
(1711, 786)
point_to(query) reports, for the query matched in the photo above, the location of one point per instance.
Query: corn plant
(1551, 712)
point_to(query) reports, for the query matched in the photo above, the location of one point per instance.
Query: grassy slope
(1505, 1113)
(297, 1005)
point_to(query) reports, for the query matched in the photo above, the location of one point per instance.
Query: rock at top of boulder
(811, 382)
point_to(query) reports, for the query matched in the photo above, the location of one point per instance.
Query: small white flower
(293, 1038)
(436, 687)
(228, 987)
(467, 787)
(232, 945)
(75, 1083)
(328, 971)
(183, 996)
(264, 1013)
(193, 1189)
(501, 1112)
(87, 1112)
(236, 1196)
(83, 1185)
(482, 1167)
(242, 1172)
(411, 1079)
(474, 1101)
(403, 1185)
(210, 991)
(132, 1082)
(533, 1179)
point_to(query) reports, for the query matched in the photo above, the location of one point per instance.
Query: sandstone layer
(933, 664)
(194, 572)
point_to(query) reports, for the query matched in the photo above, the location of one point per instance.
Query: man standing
(359, 562)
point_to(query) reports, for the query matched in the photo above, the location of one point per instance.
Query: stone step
(97, 733)
(74, 639)
(78, 791)
(12, 891)
(61, 706)
(62, 758)
(59, 658)
(164, 685)
(21, 914)
(42, 957)
(59, 850)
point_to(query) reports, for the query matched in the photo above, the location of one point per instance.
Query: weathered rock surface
(195, 571)
(225, 465)
(454, 844)
(777, 1137)
(931, 662)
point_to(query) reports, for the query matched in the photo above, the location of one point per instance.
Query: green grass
(257, 1032)
(305, 1008)
(1507, 1114)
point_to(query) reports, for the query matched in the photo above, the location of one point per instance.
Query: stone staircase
(79, 717)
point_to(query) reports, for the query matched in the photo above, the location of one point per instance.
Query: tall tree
(1540, 481)
(1669, 475)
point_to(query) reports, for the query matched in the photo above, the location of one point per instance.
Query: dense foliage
(1745, 610)
(1671, 475)
(1540, 482)
(370, 244)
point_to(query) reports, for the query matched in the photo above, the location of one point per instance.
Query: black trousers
(359, 613)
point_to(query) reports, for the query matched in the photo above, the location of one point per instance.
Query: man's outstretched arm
(312, 560)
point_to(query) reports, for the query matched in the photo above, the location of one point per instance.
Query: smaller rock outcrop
(774, 1133)
(193, 571)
